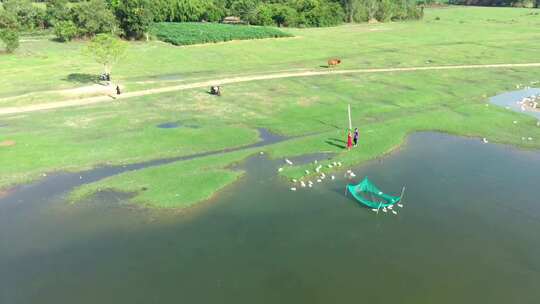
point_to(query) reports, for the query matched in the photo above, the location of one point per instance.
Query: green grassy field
(386, 106)
(467, 35)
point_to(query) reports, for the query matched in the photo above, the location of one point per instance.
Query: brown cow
(333, 62)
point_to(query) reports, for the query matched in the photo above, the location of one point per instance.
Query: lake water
(468, 234)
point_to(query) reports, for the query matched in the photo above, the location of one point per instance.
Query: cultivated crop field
(187, 33)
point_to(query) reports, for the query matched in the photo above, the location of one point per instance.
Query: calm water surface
(469, 233)
(511, 100)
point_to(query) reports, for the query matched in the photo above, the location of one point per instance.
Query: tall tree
(135, 17)
(106, 50)
(57, 10)
(94, 17)
(350, 7)
(9, 30)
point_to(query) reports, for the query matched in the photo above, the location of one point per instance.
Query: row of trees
(302, 13)
(132, 18)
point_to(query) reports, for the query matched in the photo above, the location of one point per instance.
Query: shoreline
(14, 187)
(379, 157)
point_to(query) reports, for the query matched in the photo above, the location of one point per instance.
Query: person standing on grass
(355, 138)
(349, 140)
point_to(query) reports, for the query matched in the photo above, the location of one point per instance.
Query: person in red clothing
(349, 140)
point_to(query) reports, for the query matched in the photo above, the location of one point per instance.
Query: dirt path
(99, 99)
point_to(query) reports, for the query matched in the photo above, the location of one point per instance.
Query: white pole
(350, 121)
(402, 192)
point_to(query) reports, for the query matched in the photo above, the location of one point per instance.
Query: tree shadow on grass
(327, 124)
(82, 78)
(338, 140)
(335, 144)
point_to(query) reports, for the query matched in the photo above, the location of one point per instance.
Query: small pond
(511, 100)
(176, 124)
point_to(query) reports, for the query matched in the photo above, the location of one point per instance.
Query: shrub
(10, 37)
(196, 33)
(9, 30)
(65, 30)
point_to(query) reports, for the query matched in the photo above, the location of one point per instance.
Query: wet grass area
(168, 125)
(176, 124)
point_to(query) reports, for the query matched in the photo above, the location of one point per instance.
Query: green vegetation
(198, 33)
(9, 28)
(28, 16)
(11, 39)
(65, 30)
(134, 16)
(106, 50)
(386, 106)
(180, 184)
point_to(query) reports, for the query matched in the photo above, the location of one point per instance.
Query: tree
(10, 38)
(263, 15)
(387, 10)
(94, 17)
(213, 12)
(284, 15)
(57, 10)
(350, 7)
(106, 50)
(320, 13)
(9, 28)
(28, 16)
(371, 7)
(245, 9)
(135, 16)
